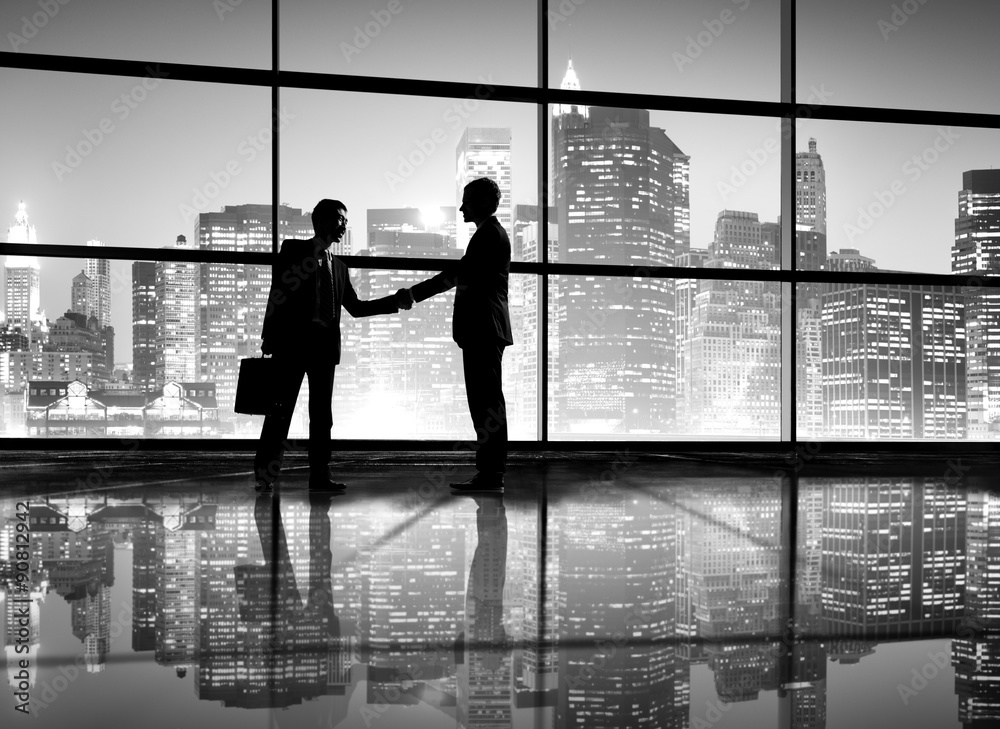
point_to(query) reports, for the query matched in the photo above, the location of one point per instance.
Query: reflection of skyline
(899, 559)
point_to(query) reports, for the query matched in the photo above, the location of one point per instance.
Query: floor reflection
(644, 600)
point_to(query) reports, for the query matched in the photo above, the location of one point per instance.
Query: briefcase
(256, 391)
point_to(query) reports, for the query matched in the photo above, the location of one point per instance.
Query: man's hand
(404, 299)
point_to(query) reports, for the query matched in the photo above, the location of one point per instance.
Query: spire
(21, 232)
(812, 145)
(570, 82)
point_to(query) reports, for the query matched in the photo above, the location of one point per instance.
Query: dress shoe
(325, 485)
(481, 482)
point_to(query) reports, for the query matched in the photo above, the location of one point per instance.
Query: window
(703, 210)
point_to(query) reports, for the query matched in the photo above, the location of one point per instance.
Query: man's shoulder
(491, 229)
(290, 244)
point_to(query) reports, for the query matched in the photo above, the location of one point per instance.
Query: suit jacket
(480, 279)
(292, 300)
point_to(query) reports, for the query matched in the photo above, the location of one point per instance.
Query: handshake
(404, 299)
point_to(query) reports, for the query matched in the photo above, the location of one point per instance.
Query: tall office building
(232, 298)
(810, 189)
(98, 270)
(409, 364)
(144, 325)
(22, 292)
(177, 341)
(621, 195)
(894, 361)
(81, 294)
(482, 152)
(732, 346)
(810, 247)
(977, 252)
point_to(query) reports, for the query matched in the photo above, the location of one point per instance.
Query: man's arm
(358, 308)
(440, 283)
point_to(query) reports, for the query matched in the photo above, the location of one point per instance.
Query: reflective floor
(604, 591)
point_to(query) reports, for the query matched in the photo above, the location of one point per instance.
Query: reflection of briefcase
(256, 391)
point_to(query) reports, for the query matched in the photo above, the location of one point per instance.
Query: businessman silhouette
(302, 330)
(480, 326)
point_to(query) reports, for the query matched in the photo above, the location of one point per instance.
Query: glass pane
(725, 49)
(401, 376)
(403, 185)
(657, 188)
(902, 55)
(450, 40)
(896, 361)
(896, 197)
(125, 161)
(655, 358)
(219, 32)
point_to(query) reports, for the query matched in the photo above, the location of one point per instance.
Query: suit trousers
(484, 389)
(315, 361)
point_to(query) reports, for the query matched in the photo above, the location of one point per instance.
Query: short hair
(326, 212)
(486, 190)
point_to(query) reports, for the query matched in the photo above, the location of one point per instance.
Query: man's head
(480, 199)
(329, 219)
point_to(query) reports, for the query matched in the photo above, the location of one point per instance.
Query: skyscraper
(483, 152)
(144, 324)
(621, 196)
(408, 363)
(810, 189)
(977, 251)
(22, 293)
(81, 294)
(810, 247)
(176, 352)
(732, 343)
(894, 361)
(99, 272)
(232, 298)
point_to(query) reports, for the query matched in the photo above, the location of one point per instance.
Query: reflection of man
(480, 326)
(292, 641)
(485, 681)
(302, 329)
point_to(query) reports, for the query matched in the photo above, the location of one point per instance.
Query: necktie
(325, 288)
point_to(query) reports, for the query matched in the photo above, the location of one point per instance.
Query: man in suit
(480, 327)
(302, 330)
